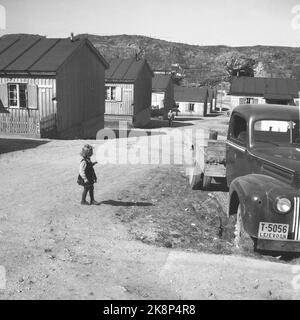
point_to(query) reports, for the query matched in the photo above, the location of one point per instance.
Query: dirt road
(53, 248)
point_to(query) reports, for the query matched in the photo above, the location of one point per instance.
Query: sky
(199, 22)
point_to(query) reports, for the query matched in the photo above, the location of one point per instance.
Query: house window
(191, 107)
(110, 93)
(113, 93)
(18, 96)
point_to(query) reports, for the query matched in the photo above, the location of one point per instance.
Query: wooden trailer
(209, 163)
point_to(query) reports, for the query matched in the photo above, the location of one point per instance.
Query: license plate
(273, 231)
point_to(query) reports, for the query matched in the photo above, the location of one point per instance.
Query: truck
(262, 173)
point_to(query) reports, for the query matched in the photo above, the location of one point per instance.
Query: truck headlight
(283, 205)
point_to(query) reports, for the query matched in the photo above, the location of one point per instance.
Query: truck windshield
(276, 132)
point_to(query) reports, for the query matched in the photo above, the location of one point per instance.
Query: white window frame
(18, 95)
(110, 89)
(191, 107)
(118, 93)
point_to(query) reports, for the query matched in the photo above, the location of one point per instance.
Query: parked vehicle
(263, 175)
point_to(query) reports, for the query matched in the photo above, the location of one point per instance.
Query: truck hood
(287, 157)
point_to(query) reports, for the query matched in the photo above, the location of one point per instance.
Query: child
(170, 117)
(87, 176)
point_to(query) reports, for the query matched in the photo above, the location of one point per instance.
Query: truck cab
(262, 173)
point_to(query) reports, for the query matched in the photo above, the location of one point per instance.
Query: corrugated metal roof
(260, 86)
(37, 54)
(160, 82)
(125, 69)
(190, 94)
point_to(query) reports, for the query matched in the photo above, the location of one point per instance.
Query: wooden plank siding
(199, 109)
(142, 97)
(19, 121)
(80, 95)
(125, 106)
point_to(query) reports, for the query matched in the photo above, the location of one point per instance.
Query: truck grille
(296, 222)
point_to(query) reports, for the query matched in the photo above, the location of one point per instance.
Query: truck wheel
(241, 239)
(238, 228)
(205, 181)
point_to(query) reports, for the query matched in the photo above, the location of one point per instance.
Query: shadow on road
(127, 203)
(155, 124)
(11, 145)
(188, 118)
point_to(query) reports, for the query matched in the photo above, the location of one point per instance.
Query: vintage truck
(262, 172)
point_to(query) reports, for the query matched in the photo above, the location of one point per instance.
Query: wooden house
(191, 101)
(128, 85)
(51, 87)
(162, 93)
(250, 90)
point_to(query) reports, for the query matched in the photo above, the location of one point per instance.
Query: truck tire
(242, 240)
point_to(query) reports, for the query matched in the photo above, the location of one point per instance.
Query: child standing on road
(170, 117)
(87, 176)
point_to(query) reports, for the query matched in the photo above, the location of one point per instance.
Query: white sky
(209, 22)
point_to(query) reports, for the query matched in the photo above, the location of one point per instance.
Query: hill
(201, 64)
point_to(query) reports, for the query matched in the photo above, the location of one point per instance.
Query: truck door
(236, 148)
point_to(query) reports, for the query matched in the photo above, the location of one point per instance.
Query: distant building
(128, 86)
(51, 87)
(191, 101)
(212, 99)
(162, 93)
(250, 90)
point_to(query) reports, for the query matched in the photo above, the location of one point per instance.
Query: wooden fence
(30, 126)
(15, 125)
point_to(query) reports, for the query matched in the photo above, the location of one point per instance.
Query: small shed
(191, 101)
(251, 90)
(128, 86)
(163, 93)
(52, 88)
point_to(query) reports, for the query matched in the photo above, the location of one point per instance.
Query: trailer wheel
(195, 177)
(205, 181)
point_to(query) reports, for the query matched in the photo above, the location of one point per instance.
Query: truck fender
(242, 187)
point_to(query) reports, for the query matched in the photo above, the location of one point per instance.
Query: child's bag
(80, 181)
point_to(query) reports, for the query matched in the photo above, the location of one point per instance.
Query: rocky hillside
(202, 64)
